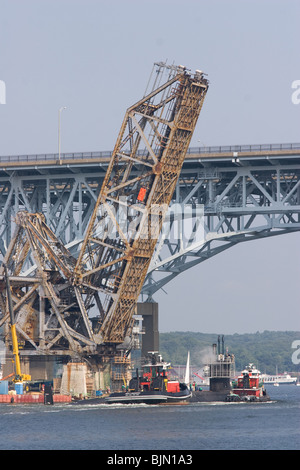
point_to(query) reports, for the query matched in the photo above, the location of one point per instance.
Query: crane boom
(18, 376)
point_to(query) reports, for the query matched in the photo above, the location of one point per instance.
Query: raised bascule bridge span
(225, 195)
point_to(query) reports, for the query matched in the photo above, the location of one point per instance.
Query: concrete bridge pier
(150, 339)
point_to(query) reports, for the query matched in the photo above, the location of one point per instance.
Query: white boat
(279, 379)
(187, 371)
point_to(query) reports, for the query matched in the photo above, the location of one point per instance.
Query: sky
(95, 56)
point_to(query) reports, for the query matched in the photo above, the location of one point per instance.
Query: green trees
(269, 350)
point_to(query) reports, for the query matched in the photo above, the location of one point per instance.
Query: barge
(31, 393)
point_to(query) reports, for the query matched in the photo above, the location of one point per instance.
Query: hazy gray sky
(95, 57)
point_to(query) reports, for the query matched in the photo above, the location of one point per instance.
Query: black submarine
(224, 386)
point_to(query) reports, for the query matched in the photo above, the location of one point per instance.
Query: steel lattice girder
(61, 288)
(241, 203)
(66, 196)
(68, 210)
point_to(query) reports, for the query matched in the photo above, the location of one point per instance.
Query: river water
(200, 426)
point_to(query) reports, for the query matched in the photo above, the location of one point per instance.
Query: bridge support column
(39, 368)
(74, 379)
(149, 313)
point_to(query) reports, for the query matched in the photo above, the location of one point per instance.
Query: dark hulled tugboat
(153, 386)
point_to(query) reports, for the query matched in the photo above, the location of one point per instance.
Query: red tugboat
(249, 386)
(154, 386)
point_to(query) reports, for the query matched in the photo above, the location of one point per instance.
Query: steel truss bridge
(225, 195)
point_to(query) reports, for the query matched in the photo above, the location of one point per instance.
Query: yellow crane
(18, 376)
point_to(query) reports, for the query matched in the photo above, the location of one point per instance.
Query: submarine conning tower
(222, 367)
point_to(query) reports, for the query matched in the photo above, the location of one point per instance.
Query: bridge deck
(265, 153)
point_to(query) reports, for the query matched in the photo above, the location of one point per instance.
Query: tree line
(270, 351)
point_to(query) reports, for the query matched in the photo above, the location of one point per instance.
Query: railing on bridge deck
(192, 150)
(243, 148)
